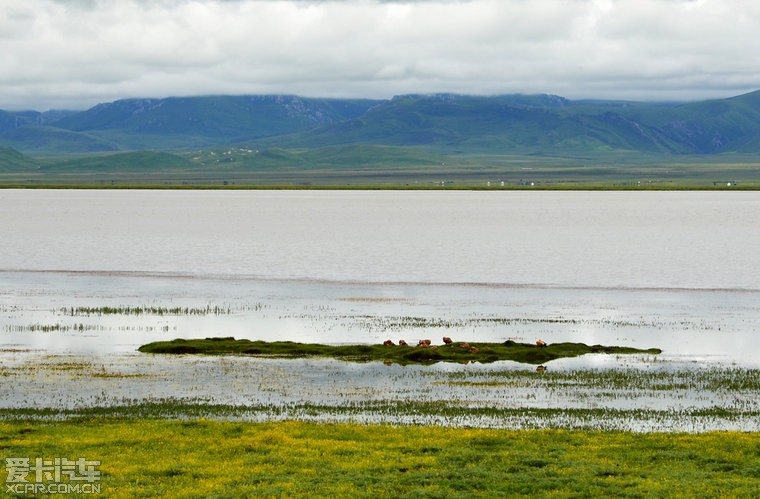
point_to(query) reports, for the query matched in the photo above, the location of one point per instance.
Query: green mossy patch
(402, 354)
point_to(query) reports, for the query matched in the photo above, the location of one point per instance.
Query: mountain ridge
(445, 122)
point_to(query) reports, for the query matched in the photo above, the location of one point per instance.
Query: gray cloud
(73, 54)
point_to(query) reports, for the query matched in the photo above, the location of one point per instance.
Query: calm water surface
(570, 239)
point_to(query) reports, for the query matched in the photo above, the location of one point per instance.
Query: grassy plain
(201, 458)
(385, 167)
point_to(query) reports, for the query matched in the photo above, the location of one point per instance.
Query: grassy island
(425, 353)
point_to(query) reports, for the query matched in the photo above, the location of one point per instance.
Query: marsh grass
(77, 328)
(374, 299)
(53, 328)
(405, 412)
(665, 380)
(160, 311)
(201, 458)
(73, 369)
(453, 352)
(383, 323)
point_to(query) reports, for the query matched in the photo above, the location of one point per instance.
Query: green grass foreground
(201, 458)
(453, 352)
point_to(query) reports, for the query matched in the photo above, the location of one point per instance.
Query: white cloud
(77, 53)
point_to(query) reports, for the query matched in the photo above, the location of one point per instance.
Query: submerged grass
(200, 458)
(391, 323)
(52, 328)
(709, 379)
(87, 311)
(401, 412)
(411, 412)
(453, 352)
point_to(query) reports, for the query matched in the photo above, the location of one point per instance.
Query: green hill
(548, 125)
(545, 124)
(124, 162)
(13, 161)
(446, 123)
(715, 126)
(17, 119)
(185, 122)
(340, 157)
(53, 140)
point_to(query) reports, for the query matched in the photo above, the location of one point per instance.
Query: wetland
(88, 277)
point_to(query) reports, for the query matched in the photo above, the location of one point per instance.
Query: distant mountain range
(441, 123)
(171, 123)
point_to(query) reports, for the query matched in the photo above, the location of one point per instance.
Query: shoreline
(381, 187)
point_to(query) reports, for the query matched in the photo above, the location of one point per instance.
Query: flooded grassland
(68, 347)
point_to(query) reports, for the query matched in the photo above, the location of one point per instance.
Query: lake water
(563, 239)
(674, 270)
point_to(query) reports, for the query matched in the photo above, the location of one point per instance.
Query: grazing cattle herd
(427, 343)
(461, 348)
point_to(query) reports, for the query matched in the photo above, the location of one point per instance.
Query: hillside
(708, 127)
(43, 140)
(13, 120)
(495, 124)
(137, 162)
(175, 123)
(442, 124)
(13, 161)
(551, 125)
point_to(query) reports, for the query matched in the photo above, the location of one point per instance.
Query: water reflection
(655, 396)
(697, 325)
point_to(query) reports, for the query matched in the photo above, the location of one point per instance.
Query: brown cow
(474, 349)
(541, 343)
(388, 343)
(447, 340)
(402, 343)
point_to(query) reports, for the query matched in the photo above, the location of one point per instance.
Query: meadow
(203, 458)
(363, 167)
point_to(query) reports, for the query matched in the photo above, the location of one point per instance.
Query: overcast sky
(74, 54)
